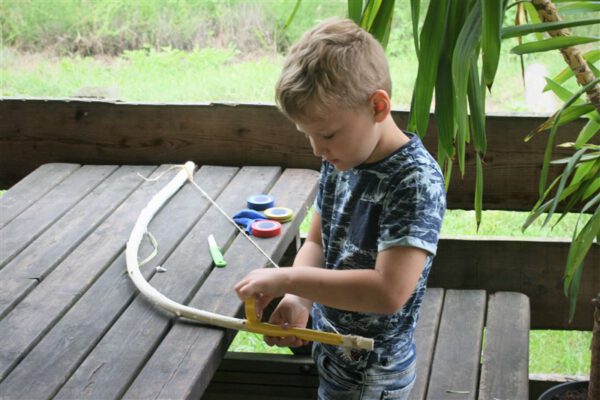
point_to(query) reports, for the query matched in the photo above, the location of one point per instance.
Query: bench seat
(471, 345)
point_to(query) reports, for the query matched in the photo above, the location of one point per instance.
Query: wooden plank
(252, 134)
(36, 314)
(61, 351)
(31, 188)
(532, 266)
(35, 262)
(505, 364)
(184, 363)
(425, 338)
(25, 228)
(455, 369)
(110, 367)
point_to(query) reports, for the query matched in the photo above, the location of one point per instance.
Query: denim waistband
(408, 357)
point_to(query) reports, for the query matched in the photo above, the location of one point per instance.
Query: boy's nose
(318, 150)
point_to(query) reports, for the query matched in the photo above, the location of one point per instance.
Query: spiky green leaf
(577, 252)
(589, 131)
(552, 44)
(293, 14)
(432, 38)
(522, 30)
(579, 7)
(382, 24)
(355, 10)
(492, 13)
(415, 11)
(465, 51)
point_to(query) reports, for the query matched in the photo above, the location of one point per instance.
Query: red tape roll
(266, 228)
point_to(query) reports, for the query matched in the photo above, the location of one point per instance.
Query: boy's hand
(262, 284)
(290, 313)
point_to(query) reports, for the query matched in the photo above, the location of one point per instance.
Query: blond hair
(336, 63)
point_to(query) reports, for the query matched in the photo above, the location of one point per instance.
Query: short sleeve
(413, 211)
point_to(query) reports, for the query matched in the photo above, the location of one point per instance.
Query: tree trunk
(572, 55)
(594, 386)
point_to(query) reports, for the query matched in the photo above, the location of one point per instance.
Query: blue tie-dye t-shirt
(398, 201)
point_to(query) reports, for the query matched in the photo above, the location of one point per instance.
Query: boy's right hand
(292, 312)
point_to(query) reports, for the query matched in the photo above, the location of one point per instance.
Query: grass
(195, 51)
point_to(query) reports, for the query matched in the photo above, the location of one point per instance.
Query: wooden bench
(470, 346)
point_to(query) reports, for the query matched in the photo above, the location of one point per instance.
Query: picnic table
(73, 325)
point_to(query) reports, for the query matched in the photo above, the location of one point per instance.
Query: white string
(214, 203)
(154, 243)
(191, 179)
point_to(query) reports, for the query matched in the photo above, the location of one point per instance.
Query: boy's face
(346, 138)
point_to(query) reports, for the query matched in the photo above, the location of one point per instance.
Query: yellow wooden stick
(253, 325)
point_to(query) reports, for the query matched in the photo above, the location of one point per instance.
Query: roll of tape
(266, 229)
(260, 202)
(281, 214)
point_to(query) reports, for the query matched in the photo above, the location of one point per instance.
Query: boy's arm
(384, 289)
(309, 255)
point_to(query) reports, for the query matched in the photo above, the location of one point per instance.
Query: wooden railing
(34, 132)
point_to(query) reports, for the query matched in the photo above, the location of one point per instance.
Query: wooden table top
(72, 324)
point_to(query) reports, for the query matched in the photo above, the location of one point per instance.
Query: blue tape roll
(260, 202)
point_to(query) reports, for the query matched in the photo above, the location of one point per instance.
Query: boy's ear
(380, 104)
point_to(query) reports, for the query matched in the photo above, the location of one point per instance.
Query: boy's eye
(328, 136)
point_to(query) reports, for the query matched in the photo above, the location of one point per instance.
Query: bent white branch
(206, 317)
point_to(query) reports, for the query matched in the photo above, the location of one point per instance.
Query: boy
(364, 265)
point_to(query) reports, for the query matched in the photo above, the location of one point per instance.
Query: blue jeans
(380, 380)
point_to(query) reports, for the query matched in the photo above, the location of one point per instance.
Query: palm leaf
(589, 130)
(432, 37)
(492, 13)
(569, 168)
(522, 30)
(355, 10)
(415, 10)
(533, 15)
(593, 188)
(292, 15)
(551, 136)
(577, 252)
(552, 44)
(559, 90)
(580, 7)
(444, 109)
(382, 24)
(476, 97)
(478, 189)
(562, 117)
(465, 51)
(369, 13)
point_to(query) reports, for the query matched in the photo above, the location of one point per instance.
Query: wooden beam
(34, 132)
